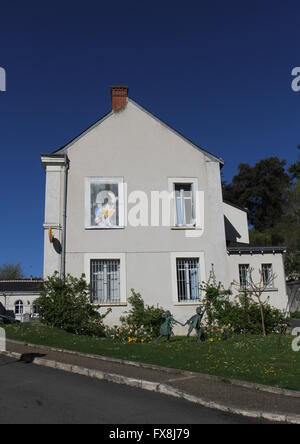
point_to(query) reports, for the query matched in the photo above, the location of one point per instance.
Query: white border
(187, 255)
(110, 180)
(119, 256)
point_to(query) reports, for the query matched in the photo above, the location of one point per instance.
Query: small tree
(254, 291)
(11, 271)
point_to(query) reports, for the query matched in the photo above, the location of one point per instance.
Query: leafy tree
(11, 271)
(273, 199)
(294, 169)
(262, 189)
(292, 265)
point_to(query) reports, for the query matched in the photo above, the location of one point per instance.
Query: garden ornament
(166, 328)
(195, 323)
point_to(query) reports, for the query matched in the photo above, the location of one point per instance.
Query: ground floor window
(188, 282)
(19, 308)
(35, 310)
(105, 281)
(267, 275)
(244, 272)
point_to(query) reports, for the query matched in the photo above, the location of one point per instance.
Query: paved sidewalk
(241, 398)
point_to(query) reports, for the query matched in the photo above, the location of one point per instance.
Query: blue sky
(220, 72)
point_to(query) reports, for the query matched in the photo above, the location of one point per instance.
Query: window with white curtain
(184, 204)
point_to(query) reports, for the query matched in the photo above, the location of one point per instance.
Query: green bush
(248, 317)
(142, 322)
(241, 315)
(66, 305)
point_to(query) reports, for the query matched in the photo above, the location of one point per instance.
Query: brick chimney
(119, 95)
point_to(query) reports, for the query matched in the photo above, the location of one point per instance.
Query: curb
(235, 382)
(158, 388)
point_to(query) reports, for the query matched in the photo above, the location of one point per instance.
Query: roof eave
(255, 250)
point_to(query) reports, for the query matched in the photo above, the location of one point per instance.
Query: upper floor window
(104, 202)
(184, 204)
(244, 272)
(267, 275)
(187, 203)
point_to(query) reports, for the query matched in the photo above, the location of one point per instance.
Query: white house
(18, 298)
(132, 203)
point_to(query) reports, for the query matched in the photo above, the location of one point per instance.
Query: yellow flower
(211, 340)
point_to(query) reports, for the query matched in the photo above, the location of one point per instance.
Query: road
(39, 395)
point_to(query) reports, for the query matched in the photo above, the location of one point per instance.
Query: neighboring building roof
(238, 248)
(21, 285)
(235, 206)
(63, 149)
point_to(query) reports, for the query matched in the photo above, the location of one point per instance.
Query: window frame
(121, 205)
(200, 256)
(88, 257)
(184, 272)
(35, 314)
(108, 268)
(271, 285)
(19, 303)
(183, 200)
(196, 206)
(247, 285)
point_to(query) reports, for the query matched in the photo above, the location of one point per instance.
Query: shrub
(142, 322)
(242, 315)
(66, 305)
(248, 317)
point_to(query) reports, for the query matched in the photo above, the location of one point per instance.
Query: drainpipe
(64, 225)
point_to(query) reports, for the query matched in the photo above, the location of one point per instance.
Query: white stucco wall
(236, 224)
(54, 169)
(137, 147)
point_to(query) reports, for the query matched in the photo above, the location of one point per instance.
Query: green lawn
(251, 358)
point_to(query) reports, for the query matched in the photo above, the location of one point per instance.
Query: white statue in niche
(105, 209)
